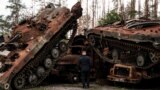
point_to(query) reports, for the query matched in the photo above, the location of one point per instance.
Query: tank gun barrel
(11, 43)
(15, 38)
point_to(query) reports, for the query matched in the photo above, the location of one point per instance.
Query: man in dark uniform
(85, 67)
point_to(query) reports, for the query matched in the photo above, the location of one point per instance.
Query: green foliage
(110, 18)
(4, 23)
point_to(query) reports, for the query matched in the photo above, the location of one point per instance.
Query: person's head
(84, 53)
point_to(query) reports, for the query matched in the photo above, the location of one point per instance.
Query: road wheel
(19, 82)
(153, 57)
(62, 46)
(55, 53)
(40, 71)
(115, 55)
(140, 61)
(48, 63)
(32, 79)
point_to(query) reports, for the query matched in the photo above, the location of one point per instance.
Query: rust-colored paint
(69, 59)
(131, 34)
(133, 77)
(35, 39)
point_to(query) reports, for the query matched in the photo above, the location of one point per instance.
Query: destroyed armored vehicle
(28, 56)
(67, 67)
(124, 73)
(137, 41)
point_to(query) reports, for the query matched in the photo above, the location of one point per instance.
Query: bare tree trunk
(139, 8)
(108, 6)
(96, 7)
(87, 14)
(133, 3)
(16, 19)
(93, 13)
(146, 9)
(33, 7)
(103, 8)
(121, 4)
(116, 4)
(155, 8)
(60, 3)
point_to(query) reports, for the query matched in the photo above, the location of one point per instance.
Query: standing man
(85, 68)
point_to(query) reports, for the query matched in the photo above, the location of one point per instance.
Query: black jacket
(85, 63)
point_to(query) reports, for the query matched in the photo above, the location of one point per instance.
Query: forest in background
(95, 12)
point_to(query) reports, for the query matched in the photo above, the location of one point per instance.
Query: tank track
(44, 53)
(122, 46)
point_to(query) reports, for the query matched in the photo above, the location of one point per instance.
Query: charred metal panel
(31, 43)
(124, 73)
(135, 44)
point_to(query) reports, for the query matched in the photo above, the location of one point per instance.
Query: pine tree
(1, 22)
(15, 7)
(4, 24)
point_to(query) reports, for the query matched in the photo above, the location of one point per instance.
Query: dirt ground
(51, 84)
(78, 86)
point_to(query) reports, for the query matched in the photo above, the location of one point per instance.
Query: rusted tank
(29, 55)
(67, 66)
(134, 43)
(137, 40)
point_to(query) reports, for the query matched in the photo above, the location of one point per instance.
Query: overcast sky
(31, 5)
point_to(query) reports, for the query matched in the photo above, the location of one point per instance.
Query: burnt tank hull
(32, 49)
(134, 44)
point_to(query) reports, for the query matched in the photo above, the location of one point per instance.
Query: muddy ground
(52, 84)
(75, 87)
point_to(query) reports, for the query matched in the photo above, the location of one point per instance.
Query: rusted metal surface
(145, 32)
(67, 67)
(33, 36)
(135, 44)
(69, 59)
(124, 73)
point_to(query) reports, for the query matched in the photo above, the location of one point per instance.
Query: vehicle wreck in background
(28, 57)
(124, 73)
(67, 67)
(135, 44)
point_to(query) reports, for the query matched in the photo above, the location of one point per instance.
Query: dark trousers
(85, 78)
